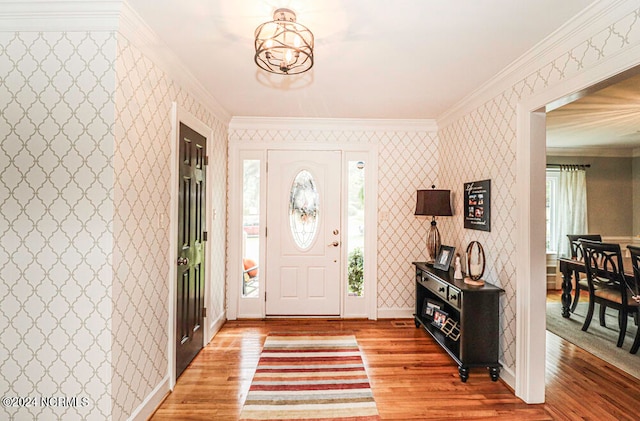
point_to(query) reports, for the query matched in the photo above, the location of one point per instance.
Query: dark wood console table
(463, 319)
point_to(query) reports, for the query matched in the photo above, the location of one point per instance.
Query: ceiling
(608, 118)
(402, 59)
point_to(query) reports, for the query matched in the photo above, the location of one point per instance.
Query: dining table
(570, 267)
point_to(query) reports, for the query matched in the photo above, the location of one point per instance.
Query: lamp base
(433, 242)
(473, 282)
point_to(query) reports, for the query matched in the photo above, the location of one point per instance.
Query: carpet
(310, 376)
(597, 340)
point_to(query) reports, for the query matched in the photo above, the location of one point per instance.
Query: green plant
(355, 272)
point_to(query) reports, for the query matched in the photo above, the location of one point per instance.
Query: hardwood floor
(412, 378)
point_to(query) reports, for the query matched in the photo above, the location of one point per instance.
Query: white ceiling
(608, 118)
(401, 59)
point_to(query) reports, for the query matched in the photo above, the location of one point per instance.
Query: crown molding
(546, 51)
(348, 124)
(138, 33)
(67, 15)
(603, 152)
(105, 15)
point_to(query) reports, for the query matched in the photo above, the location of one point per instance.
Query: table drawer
(435, 285)
(454, 297)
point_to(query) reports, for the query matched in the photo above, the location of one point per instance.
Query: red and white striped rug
(310, 376)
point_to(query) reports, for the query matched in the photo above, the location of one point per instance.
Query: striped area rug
(311, 376)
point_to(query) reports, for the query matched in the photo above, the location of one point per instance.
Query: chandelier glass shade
(284, 46)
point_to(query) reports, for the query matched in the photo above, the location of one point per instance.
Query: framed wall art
(477, 205)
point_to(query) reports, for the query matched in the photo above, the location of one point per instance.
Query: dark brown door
(191, 227)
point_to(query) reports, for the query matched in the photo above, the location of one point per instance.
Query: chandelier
(284, 46)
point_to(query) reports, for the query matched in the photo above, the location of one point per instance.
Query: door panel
(303, 233)
(191, 223)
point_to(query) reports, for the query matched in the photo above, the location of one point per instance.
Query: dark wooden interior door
(191, 227)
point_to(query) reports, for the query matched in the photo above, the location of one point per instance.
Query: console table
(463, 319)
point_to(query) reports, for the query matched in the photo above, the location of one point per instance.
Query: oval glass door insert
(303, 209)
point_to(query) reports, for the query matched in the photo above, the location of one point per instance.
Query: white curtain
(571, 208)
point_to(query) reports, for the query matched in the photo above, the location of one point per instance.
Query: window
(250, 226)
(303, 209)
(553, 177)
(355, 228)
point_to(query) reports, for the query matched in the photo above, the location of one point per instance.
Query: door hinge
(265, 231)
(205, 236)
(206, 160)
(265, 296)
(204, 312)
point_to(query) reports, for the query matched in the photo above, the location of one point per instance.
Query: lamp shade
(434, 203)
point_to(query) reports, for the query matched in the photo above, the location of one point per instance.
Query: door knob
(334, 244)
(183, 261)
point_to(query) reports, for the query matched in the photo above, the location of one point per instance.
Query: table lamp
(433, 203)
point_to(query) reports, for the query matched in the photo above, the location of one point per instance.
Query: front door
(303, 233)
(191, 227)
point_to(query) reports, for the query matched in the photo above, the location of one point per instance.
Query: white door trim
(179, 114)
(530, 197)
(239, 307)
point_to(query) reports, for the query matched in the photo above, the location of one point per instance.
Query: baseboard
(508, 376)
(152, 402)
(395, 313)
(216, 325)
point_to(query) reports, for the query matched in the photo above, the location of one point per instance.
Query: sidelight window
(250, 227)
(355, 228)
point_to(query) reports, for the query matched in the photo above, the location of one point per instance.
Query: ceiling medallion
(284, 46)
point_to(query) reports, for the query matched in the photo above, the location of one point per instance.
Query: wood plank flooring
(412, 378)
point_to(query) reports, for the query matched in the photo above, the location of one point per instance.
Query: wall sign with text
(477, 205)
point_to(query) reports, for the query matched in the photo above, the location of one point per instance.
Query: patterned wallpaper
(482, 144)
(407, 161)
(470, 153)
(144, 94)
(83, 243)
(85, 121)
(56, 221)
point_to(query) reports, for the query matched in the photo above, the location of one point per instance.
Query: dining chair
(577, 253)
(635, 262)
(607, 284)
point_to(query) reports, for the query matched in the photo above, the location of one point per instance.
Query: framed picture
(439, 318)
(477, 205)
(429, 306)
(443, 261)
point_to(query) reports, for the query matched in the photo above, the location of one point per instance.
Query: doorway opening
(531, 260)
(593, 158)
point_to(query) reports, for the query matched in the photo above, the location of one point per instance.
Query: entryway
(302, 225)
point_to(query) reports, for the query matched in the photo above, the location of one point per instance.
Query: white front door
(303, 233)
